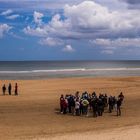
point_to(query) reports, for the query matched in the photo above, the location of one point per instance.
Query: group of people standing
(82, 105)
(9, 89)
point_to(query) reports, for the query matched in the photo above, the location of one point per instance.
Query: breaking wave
(70, 70)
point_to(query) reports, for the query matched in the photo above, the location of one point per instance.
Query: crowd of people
(9, 89)
(82, 105)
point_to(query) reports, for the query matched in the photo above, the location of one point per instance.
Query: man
(4, 89)
(100, 106)
(16, 89)
(119, 102)
(94, 106)
(9, 88)
(121, 96)
(110, 103)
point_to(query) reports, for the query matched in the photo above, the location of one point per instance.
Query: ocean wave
(70, 70)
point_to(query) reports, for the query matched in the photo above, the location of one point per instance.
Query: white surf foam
(70, 70)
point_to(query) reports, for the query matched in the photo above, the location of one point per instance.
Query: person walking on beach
(9, 88)
(16, 89)
(4, 89)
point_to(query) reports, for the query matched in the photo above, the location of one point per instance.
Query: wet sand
(34, 113)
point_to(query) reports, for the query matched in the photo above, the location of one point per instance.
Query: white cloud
(120, 42)
(7, 12)
(40, 32)
(110, 29)
(109, 52)
(95, 22)
(4, 28)
(68, 48)
(93, 14)
(38, 17)
(98, 19)
(12, 17)
(56, 22)
(51, 41)
(110, 46)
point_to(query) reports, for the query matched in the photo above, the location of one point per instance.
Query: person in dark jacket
(16, 89)
(4, 89)
(100, 107)
(119, 102)
(9, 88)
(110, 103)
(94, 106)
(121, 96)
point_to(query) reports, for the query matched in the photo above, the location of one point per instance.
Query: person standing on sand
(110, 103)
(77, 107)
(100, 106)
(70, 103)
(4, 89)
(121, 96)
(65, 105)
(61, 103)
(85, 104)
(94, 106)
(9, 88)
(16, 89)
(119, 102)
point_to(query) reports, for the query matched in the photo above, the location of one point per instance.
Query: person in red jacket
(16, 89)
(61, 103)
(65, 105)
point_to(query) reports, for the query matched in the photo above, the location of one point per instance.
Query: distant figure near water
(4, 89)
(9, 88)
(16, 89)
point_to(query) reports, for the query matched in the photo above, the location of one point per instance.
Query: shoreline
(73, 77)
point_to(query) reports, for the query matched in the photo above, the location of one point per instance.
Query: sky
(69, 30)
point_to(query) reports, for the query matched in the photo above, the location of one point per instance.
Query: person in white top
(77, 107)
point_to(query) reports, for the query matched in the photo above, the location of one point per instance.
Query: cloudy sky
(69, 29)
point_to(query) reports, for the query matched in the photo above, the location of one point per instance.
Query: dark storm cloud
(133, 1)
(133, 4)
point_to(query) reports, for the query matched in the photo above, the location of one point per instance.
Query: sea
(15, 70)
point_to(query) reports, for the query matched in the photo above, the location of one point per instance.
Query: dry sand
(34, 113)
(124, 133)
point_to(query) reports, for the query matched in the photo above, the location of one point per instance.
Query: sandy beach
(34, 114)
